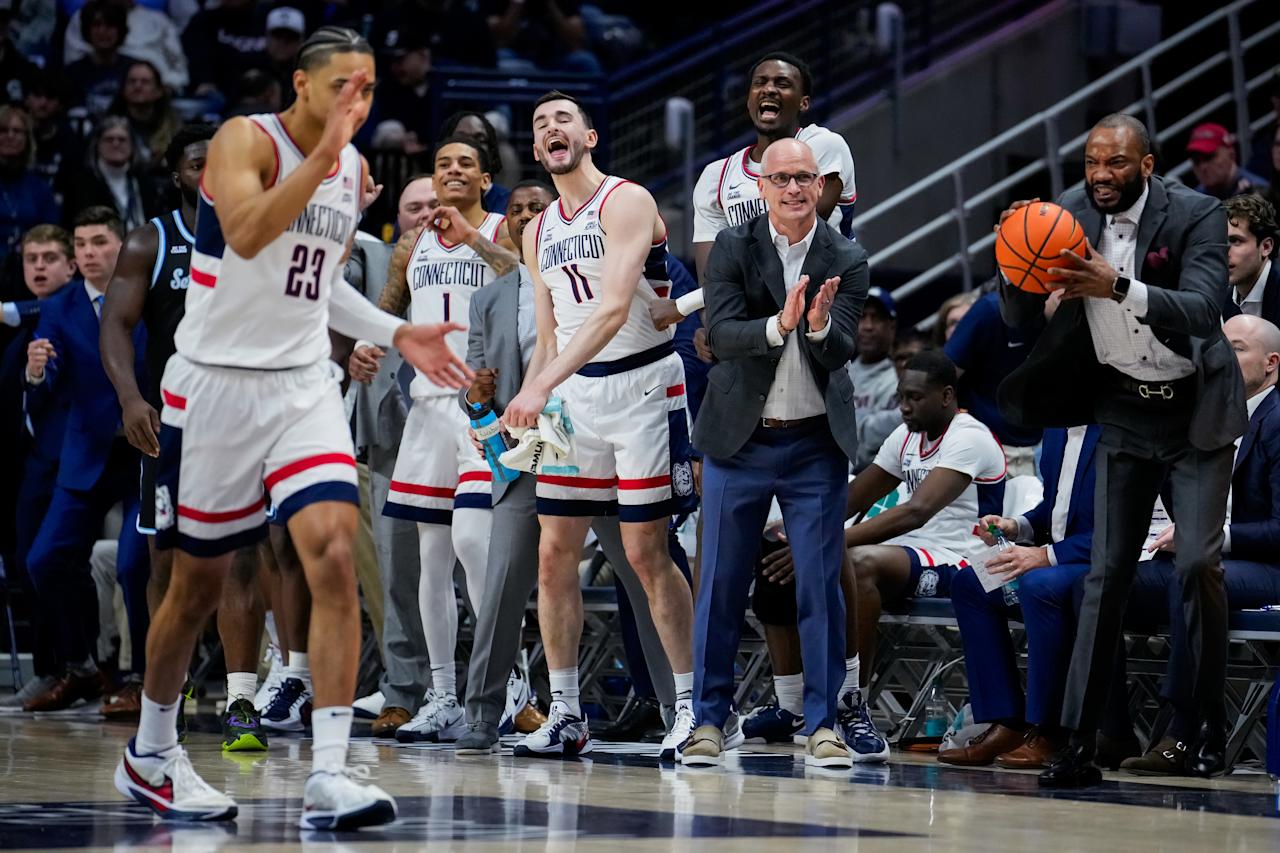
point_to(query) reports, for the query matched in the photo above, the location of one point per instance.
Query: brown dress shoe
(66, 691)
(1167, 758)
(1035, 753)
(391, 718)
(983, 749)
(126, 704)
(529, 719)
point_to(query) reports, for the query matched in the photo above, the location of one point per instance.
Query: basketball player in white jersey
(250, 402)
(598, 258)
(439, 480)
(728, 193)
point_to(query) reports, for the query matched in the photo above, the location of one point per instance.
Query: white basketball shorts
(437, 467)
(630, 439)
(232, 437)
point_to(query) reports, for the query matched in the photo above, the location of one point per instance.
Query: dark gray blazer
(1182, 258)
(744, 290)
(380, 410)
(493, 341)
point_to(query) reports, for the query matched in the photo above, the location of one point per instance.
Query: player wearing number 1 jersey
(597, 258)
(249, 403)
(440, 481)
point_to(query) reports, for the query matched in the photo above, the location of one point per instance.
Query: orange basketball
(1029, 242)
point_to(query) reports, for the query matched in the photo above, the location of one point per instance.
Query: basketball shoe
(271, 684)
(166, 783)
(518, 697)
(242, 728)
(680, 731)
(336, 802)
(773, 724)
(563, 734)
(439, 720)
(290, 708)
(856, 728)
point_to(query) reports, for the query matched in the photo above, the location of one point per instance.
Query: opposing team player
(598, 258)
(439, 480)
(249, 401)
(728, 193)
(150, 286)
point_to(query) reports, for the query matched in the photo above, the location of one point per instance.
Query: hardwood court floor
(56, 793)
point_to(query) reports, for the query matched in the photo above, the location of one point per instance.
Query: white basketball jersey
(271, 311)
(441, 279)
(966, 446)
(728, 193)
(571, 262)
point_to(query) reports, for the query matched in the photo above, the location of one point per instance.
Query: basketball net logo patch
(164, 508)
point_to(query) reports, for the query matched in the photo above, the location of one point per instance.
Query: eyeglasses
(782, 179)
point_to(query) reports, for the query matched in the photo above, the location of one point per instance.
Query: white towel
(546, 448)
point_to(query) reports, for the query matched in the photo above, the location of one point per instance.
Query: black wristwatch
(1120, 288)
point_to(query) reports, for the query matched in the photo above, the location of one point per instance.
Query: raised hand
(39, 352)
(346, 115)
(820, 308)
(451, 225)
(425, 348)
(793, 308)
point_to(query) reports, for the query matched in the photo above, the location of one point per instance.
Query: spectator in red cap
(1212, 149)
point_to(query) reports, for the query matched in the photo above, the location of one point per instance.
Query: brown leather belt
(779, 423)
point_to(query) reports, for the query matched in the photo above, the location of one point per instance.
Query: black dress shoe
(637, 719)
(1208, 756)
(1072, 768)
(1111, 752)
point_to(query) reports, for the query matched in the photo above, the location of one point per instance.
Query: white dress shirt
(1120, 339)
(526, 323)
(1062, 499)
(794, 393)
(1252, 405)
(1252, 302)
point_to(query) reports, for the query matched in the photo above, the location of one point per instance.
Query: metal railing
(966, 201)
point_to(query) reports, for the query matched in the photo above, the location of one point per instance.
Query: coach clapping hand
(820, 308)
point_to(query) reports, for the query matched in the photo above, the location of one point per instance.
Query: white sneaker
(270, 684)
(680, 731)
(518, 695)
(167, 784)
(336, 802)
(563, 734)
(369, 707)
(733, 736)
(439, 720)
(290, 707)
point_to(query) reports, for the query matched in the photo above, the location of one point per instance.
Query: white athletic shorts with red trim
(231, 437)
(630, 443)
(437, 467)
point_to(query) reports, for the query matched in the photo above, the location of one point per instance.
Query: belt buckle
(1163, 391)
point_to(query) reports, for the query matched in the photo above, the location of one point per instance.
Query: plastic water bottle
(489, 432)
(1273, 733)
(1010, 589)
(936, 712)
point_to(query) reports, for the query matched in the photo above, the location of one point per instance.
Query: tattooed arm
(395, 294)
(453, 227)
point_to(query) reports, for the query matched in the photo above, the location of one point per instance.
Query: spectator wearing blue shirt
(985, 351)
(25, 198)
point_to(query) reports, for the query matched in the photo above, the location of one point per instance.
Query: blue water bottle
(1010, 589)
(489, 432)
(1273, 732)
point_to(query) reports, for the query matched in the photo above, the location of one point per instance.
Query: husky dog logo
(164, 508)
(928, 584)
(682, 479)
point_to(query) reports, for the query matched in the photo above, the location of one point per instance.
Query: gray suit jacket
(744, 290)
(1182, 258)
(493, 341)
(380, 406)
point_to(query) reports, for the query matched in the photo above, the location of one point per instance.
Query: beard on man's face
(1127, 193)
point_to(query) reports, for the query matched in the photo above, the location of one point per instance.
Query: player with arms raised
(598, 259)
(249, 402)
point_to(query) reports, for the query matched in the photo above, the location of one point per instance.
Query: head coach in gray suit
(784, 295)
(500, 338)
(1137, 346)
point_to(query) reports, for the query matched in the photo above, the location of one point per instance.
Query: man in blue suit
(1251, 551)
(36, 438)
(97, 470)
(1058, 535)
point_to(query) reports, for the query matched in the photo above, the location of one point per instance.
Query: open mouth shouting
(768, 109)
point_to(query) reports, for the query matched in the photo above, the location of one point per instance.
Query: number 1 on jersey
(578, 280)
(446, 306)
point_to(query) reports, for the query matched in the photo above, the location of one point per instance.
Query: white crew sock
(852, 675)
(297, 666)
(684, 686)
(790, 692)
(157, 729)
(444, 679)
(564, 688)
(241, 685)
(330, 732)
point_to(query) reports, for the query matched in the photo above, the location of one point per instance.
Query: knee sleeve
(470, 531)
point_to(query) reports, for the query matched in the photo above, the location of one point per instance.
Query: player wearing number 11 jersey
(250, 404)
(439, 481)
